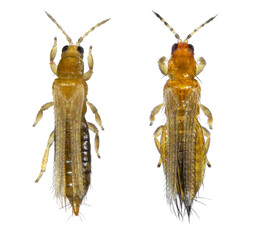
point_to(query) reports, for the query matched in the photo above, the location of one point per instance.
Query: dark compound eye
(174, 47)
(191, 48)
(64, 48)
(80, 49)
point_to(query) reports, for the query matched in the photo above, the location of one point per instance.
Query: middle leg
(97, 116)
(154, 112)
(40, 113)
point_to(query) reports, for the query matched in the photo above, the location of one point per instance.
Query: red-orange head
(182, 64)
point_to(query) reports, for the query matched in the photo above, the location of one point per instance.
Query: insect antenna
(99, 24)
(171, 29)
(53, 20)
(190, 35)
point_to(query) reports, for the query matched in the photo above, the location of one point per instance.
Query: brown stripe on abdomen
(68, 162)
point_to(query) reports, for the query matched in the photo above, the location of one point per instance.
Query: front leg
(97, 116)
(200, 66)
(53, 52)
(162, 66)
(87, 75)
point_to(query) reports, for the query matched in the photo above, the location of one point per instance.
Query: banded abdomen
(72, 147)
(74, 199)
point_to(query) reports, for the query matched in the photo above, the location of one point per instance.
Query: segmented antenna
(53, 20)
(172, 30)
(190, 35)
(99, 24)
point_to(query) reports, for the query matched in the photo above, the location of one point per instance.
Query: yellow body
(71, 177)
(72, 165)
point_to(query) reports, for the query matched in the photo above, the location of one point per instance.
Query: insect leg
(40, 113)
(162, 66)
(207, 113)
(88, 74)
(53, 52)
(157, 134)
(207, 134)
(201, 64)
(94, 129)
(97, 116)
(154, 112)
(46, 155)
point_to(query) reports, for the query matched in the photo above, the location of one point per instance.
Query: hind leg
(207, 134)
(94, 129)
(162, 145)
(46, 155)
(208, 114)
(158, 132)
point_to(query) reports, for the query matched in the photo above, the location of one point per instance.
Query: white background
(126, 199)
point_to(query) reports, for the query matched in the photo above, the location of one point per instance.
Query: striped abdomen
(72, 147)
(75, 199)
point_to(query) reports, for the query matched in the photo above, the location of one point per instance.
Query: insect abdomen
(183, 144)
(75, 199)
(191, 160)
(71, 133)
